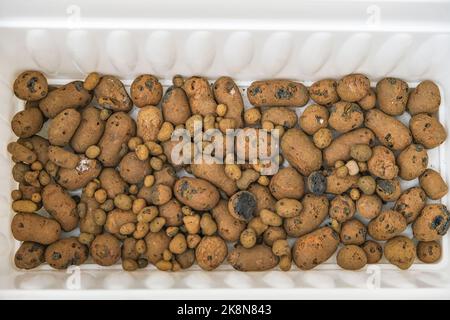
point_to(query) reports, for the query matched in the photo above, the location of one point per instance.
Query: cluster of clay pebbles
(98, 185)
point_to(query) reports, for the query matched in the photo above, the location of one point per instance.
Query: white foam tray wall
(301, 40)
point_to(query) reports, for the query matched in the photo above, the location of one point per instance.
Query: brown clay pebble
(373, 250)
(29, 256)
(411, 203)
(105, 249)
(211, 252)
(315, 248)
(369, 206)
(432, 223)
(433, 184)
(429, 251)
(425, 98)
(66, 252)
(91, 81)
(386, 225)
(351, 257)
(31, 86)
(353, 232)
(242, 205)
(400, 251)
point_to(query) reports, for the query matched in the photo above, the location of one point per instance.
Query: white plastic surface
(249, 40)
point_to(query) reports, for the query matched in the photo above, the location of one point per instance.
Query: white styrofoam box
(300, 40)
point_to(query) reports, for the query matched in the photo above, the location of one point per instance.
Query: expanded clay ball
(90, 188)
(192, 223)
(353, 231)
(227, 124)
(271, 234)
(208, 225)
(388, 190)
(354, 194)
(247, 177)
(100, 217)
(154, 148)
(193, 240)
(288, 208)
(285, 263)
(342, 171)
(31, 86)
(373, 250)
(314, 118)
(165, 132)
(369, 206)
(268, 125)
(36, 197)
(178, 244)
(187, 211)
(142, 152)
(342, 208)
(400, 251)
(141, 231)
(167, 255)
(147, 214)
(362, 166)
(127, 228)
(91, 81)
(369, 101)
(157, 224)
(361, 152)
(178, 81)
(36, 166)
(270, 218)
(367, 184)
(317, 183)
(163, 265)
(138, 205)
(322, 138)
(100, 195)
(242, 205)
(252, 116)
(129, 265)
(429, 251)
(433, 184)
(156, 163)
(248, 238)
(351, 257)
(141, 246)
(92, 152)
(221, 110)
(16, 194)
(149, 181)
(134, 142)
(233, 171)
(264, 180)
(353, 168)
(123, 201)
(281, 248)
(258, 225)
(133, 189)
(44, 178)
(86, 238)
